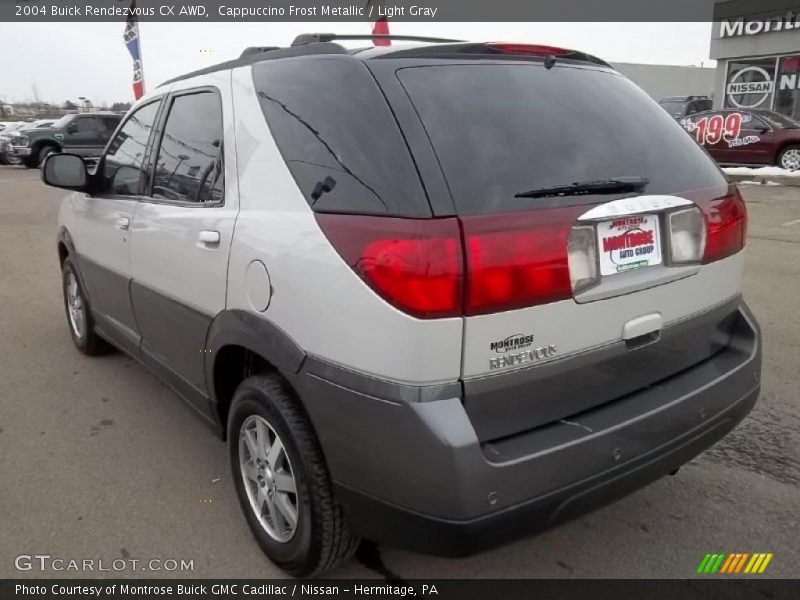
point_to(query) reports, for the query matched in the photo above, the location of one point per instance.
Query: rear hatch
(599, 241)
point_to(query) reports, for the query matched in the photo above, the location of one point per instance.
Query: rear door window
(501, 129)
(338, 137)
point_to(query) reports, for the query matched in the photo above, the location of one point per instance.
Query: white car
(438, 296)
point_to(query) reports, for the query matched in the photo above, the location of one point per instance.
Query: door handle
(123, 223)
(209, 237)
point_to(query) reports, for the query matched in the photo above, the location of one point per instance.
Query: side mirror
(65, 171)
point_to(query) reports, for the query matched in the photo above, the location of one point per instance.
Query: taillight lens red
(726, 224)
(449, 267)
(518, 259)
(414, 264)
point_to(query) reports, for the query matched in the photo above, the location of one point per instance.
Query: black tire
(4, 159)
(30, 162)
(89, 342)
(322, 539)
(44, 152)
(795, 149)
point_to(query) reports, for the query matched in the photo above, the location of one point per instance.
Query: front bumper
(414, 475)
(19, 150)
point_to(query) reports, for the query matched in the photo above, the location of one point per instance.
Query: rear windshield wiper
(614, 185)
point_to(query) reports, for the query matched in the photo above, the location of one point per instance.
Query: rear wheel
(789, 158)
(282, 481)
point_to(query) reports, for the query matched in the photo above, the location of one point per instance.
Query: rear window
(501, 129)
(338, 137)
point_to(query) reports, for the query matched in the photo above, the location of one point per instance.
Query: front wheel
(43, 153)
(789, 158)
(282, 481)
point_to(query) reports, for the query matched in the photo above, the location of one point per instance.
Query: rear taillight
(449, 267)
(726, 225)
(517, 260)
(414, 264)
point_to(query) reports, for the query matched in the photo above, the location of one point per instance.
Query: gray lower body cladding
(416, 475)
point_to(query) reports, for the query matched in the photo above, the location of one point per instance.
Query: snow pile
(761, 172)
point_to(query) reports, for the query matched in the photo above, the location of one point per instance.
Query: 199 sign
(710, 130)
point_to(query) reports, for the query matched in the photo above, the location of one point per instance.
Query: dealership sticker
(628, 243)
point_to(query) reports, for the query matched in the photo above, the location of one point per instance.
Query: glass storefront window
(750, 83)
(787, 93)
(765, 83)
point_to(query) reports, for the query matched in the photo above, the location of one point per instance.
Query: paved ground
(99, 460)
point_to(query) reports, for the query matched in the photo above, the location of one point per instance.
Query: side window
(122, 164)
(189, 163)
(85, 125)
(756, 123)
(109, 124)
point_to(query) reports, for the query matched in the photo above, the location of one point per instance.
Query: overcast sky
(68, 60)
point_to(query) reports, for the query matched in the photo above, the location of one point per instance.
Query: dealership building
(758, 59)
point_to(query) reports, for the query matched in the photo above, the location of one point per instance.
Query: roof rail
(312, 38)
(257, 50)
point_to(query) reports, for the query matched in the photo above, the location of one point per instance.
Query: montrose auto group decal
(628, 243)
(713, 129)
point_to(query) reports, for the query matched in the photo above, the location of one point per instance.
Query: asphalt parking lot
(98, 460)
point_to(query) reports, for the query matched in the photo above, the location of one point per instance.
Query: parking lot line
(795, 222)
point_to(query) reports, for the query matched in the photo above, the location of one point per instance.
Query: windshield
(63, 121)
(499, 129)
(778, 121)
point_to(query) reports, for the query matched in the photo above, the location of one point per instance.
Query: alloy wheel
(268, 478)
(791, 159)
(75, 307)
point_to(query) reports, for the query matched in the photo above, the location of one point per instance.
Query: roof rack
(312, 38)
(258, 50)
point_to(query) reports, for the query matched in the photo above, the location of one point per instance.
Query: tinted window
(109, 123)
(338, 137)
(85, 125)
(503, 129)
(189, 161)
(122, 165)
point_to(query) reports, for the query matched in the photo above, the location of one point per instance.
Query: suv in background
(682, 106)
(84, 134)
(436, 296)
(748, 137)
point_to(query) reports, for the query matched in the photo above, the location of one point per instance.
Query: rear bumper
(414, 475)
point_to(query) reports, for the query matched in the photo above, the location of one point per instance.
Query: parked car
(753, 137)
(84, 134)
(436, 296)
(5, 135)
(682, 106)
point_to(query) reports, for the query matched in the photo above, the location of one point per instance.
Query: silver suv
(435, 295)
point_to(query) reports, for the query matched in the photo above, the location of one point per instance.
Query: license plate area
(628, 243)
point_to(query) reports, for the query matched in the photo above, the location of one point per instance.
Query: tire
(30, 162)
(320, 539)
(789, 158)
(44, 152)
(83, 335)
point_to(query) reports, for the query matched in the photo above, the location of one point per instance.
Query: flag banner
(377, 13)
(131, 37)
